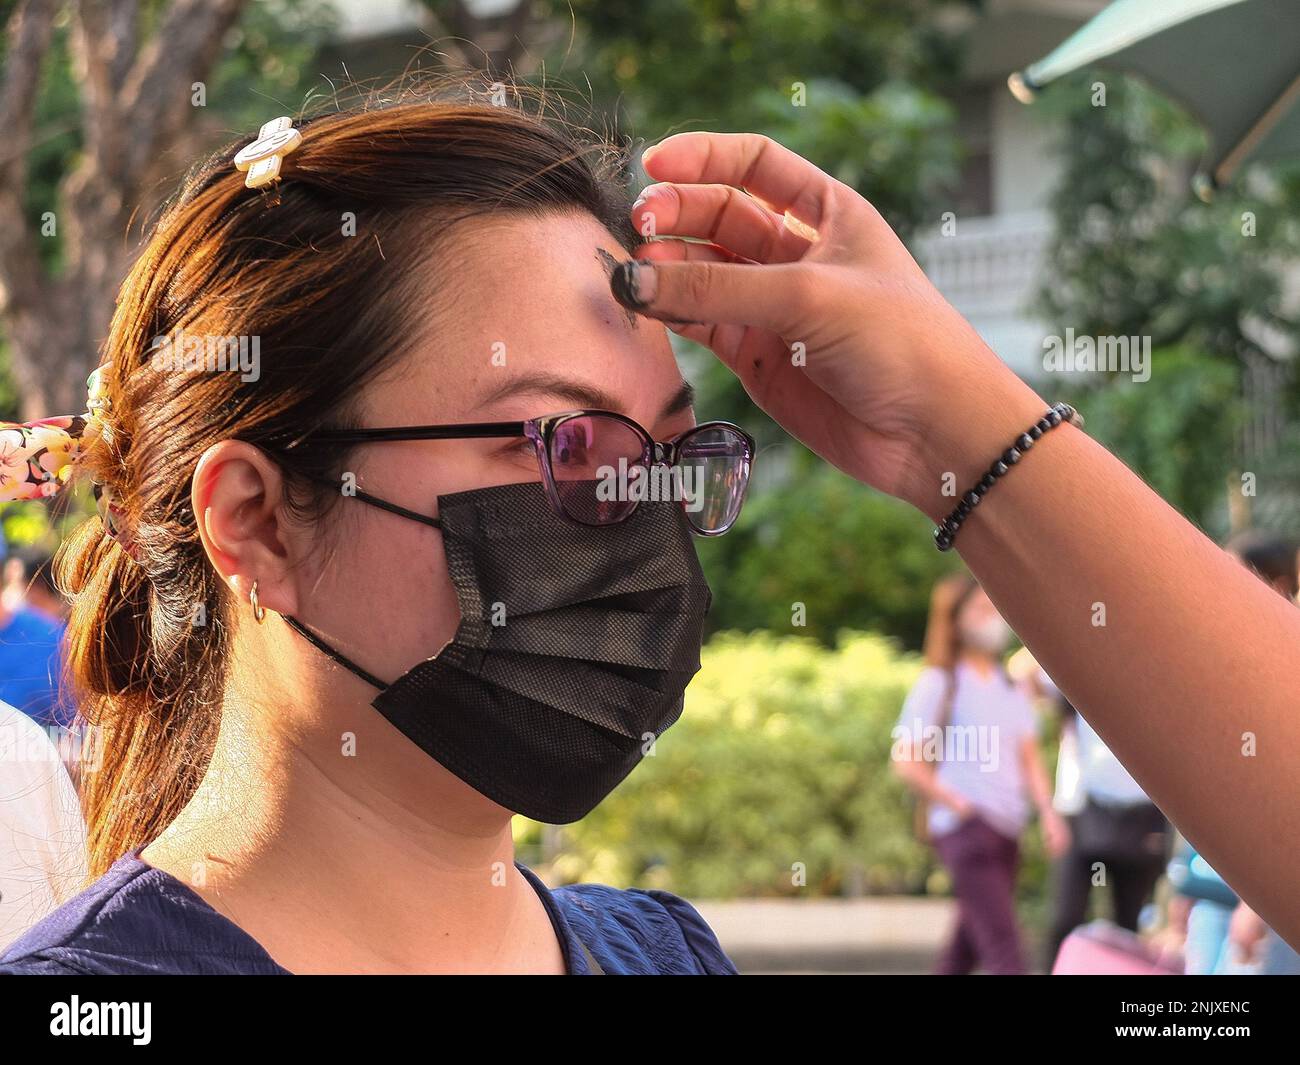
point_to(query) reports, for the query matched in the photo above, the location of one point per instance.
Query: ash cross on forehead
(611, 264)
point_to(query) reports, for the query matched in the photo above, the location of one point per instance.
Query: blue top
(30, 665)
(136, 919)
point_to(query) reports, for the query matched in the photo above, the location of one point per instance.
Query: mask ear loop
(315, 640)
(382, 504)
(393, 508)
(332, 654)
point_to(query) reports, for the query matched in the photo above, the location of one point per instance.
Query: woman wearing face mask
(354, 601)
(225, 739)
(967, 743)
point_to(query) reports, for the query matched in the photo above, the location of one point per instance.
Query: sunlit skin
(412, 867)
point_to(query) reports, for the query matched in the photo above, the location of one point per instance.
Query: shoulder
(135, 920)
(930, 688)
(34, 786)
(932, 679)
(638, 931)
(21, 739)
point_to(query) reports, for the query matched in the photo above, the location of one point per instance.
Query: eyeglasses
(598, 466)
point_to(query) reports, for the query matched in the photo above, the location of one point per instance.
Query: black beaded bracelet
(946, 531)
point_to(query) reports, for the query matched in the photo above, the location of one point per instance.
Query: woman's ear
(238, 500)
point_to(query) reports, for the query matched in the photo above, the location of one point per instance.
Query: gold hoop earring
(259, 613)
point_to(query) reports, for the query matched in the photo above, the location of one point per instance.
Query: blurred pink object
(1104, 949)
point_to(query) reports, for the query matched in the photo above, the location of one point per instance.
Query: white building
(991, 266)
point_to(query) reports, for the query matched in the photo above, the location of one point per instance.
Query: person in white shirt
(1119, 839)
(43, 860)
(967, 742)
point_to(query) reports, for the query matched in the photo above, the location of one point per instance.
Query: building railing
(990, 269)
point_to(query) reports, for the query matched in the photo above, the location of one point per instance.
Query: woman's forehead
(529, 306)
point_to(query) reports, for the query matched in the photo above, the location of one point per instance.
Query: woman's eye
(520, 448)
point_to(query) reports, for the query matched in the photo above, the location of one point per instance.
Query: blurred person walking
(1119, 839)
(1222, 935)
(30, 659)
(967, 744)
(1250, 941)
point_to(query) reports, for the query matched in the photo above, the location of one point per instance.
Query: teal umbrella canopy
(1234, 64)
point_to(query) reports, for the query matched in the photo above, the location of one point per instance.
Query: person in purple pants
(967, 743)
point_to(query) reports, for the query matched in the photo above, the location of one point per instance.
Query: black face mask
(574, 649)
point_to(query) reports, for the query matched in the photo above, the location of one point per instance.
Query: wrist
(968, 435)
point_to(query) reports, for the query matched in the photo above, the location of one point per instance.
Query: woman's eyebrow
(580, 393)
(576, 392)
(683, 400)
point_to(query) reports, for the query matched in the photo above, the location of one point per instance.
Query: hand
(1056, 833)
(1246, 931)
(962, 807)
(891, 384)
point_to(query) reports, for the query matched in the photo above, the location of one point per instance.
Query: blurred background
(771, 803)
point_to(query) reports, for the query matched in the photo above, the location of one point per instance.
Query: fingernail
(634, 284)
(644, 197)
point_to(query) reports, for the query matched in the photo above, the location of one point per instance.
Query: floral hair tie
(37, 458)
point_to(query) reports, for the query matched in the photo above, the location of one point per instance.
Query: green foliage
(268, 68)
(1178, 430)
(895, 145)
(781, 756)
(872, 116)
(1136, 253)
(265, 70)
(678, 63)
(850, 556)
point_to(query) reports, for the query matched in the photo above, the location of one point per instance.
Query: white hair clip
(263, 158)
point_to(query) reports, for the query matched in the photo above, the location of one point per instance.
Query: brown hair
(942, 640)
(330, 311)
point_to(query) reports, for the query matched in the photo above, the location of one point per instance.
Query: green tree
(103, 106)
(853, 83)
(1178, 429)
(820, 553)
(1137, 253)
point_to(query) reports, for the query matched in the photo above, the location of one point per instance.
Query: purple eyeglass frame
(541, 431)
